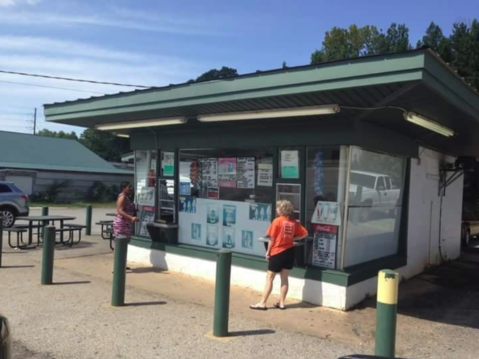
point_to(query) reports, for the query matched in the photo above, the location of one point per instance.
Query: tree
(60, 134)
(357, 41)
(435, 39)
(104, 144)
(215, 74)
(464, 43)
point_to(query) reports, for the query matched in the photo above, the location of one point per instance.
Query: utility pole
(35, 122)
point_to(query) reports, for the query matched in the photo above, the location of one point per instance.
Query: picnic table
(111, 214)
(45, 220)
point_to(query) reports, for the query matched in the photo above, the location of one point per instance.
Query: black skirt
(280, 261)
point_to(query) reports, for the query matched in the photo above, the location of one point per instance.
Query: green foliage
(51, 193)
(99, 192)
(104, 144)
(60, 134)
(215, 74)
(357, 41)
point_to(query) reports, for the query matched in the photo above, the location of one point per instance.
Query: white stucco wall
(424, 214)
(325, 294)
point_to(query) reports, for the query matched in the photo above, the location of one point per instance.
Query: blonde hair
(285, 208)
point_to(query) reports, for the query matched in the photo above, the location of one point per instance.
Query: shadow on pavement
(247, 333)
(141, 304)
(445, 294)
(70, 283)
(26, 266)
(147, 270)
(82, 244)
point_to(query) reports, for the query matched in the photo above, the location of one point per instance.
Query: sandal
(276, 305)
(257, 307)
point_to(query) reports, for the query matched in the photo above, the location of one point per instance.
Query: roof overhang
(416, 81)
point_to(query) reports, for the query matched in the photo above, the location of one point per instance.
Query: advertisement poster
(212, 236)
(327, 213)
(168, 163)
(229, 240)
(227, 172)
(146, 196)
(265, 174)
(196, 231)
(245, 169)
(260, 212)
(324, 246)
(247, 239)
(212, 214)
(229, 215)
(290, 164)
(188, 204)
(146, 215)
(209, 172)
(185, 189)
(213, 193)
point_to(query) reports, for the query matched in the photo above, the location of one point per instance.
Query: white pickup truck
(373, 192)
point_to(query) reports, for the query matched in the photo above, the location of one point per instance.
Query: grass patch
(75, 204)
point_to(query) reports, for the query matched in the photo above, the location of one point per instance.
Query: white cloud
(8, 3)
(121, 20)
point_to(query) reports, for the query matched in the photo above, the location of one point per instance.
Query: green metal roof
(24, 151)
(417, 80)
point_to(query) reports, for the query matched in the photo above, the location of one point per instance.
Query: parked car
(373, 192)
(13, 203)
(5, 339)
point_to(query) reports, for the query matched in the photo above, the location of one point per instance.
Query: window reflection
(375, 201)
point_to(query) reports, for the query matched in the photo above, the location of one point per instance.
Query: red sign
(325, 228)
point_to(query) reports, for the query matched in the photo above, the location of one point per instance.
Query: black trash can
(163, 232)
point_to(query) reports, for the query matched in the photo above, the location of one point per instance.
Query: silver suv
(13, 203)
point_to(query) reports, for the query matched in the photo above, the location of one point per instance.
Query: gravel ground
(73, 319)
(169, 314)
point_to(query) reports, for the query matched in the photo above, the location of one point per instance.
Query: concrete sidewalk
(168, 315)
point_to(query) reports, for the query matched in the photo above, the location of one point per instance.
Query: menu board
(227, 172)
(209, 172)
(246, 172)
(324, 246)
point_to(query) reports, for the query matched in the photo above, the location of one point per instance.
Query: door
(25, 183)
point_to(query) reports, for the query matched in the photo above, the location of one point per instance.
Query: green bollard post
(386, 312)
(88, 220)
(44, 213)
(119, 271)
(1, 240)
(222, 293)
(48, 255)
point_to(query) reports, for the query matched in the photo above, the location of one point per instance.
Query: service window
(225, 198)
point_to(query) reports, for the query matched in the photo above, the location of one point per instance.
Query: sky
(157, 42)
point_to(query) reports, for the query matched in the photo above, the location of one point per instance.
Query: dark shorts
(280, 261)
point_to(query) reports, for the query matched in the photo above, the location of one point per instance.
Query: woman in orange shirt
(283, 232)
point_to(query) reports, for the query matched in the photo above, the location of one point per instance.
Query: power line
(50, 87)
(71, 79)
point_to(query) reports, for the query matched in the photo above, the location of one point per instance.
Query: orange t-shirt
(282, 231)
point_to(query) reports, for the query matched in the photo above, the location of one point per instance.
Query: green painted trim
(242, 260)
(439, 77)
(349, 277)
(365, 271)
